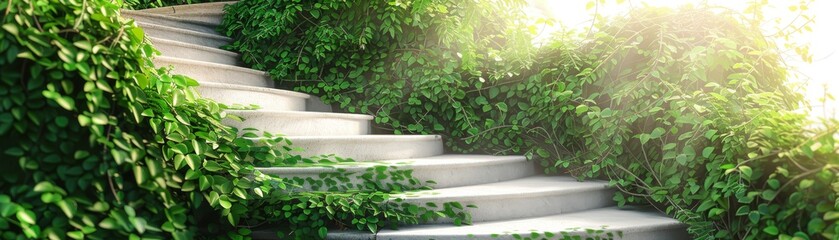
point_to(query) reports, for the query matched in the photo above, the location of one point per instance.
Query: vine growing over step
(689, 110)
(97, 143)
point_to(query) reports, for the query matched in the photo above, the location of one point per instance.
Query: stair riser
(524, 206)
(629, 234)
(212, 19)
(191, 37)
(291, 125)
(444, 176)
(473, 175)
(267, 101)
(173, 49)
(171, 22)
(368, 150)
(217, 74)
(210, 13)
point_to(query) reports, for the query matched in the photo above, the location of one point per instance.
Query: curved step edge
(266, 98)
(298, 123)
(520, 198)
(176, 49)
(633, 223)
(169, 21)
(184, 35)
(365, 148)
(450, 170)
(214, 72)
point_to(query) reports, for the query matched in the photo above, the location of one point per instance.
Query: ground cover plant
(689, 110)
(97, 143)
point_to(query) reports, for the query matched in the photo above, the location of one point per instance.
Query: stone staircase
(512, 198)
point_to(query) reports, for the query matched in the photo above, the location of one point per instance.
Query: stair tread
(215, 7)
(215, 72)
(449, 170)
(627, 220)
(370, 138)
(194, 46)
(255, 89)
(301, 123)
(299, 114)
(210, 64)
(169, 19)
(533, 186)
(447, 160)
(148, 25)
(367, 147)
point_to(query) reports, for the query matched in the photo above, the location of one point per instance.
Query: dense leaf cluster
(97, 143)
(688, 110)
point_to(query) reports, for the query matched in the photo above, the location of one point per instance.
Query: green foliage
(691, 110)
(414, 65)
(688, 110)
(97, 143)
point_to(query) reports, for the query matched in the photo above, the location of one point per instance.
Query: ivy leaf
(501, 106)
(771, 230)
(644, 138)
(657, 132)
(26, 216)
(581, 109)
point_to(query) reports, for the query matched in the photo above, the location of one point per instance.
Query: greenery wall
(689, 110)
(97, 143)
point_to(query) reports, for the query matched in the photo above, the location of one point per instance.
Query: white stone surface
(297, 123)
(176, 49)
(169, 21)
(184, 35)
(525, 197)
(450, 170)
(209, 13)
(214, 72)
(369, 147)
(265, 98)
(635, 224)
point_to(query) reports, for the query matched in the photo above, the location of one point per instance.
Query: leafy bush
(97, 143)
(688, 110)
(705, 126)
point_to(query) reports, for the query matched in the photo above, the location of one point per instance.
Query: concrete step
(214, 72)
(184, 35)
(520, 198)
(364, 148)
(169, 21)
(297, 123)
(623, 223)
(170, 48)
(208, 13)
(450, 170)
(265, 98)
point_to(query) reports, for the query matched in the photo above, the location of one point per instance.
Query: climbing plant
(97, 143)
(689, 110)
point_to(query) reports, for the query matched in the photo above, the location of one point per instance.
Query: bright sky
(820, 76)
